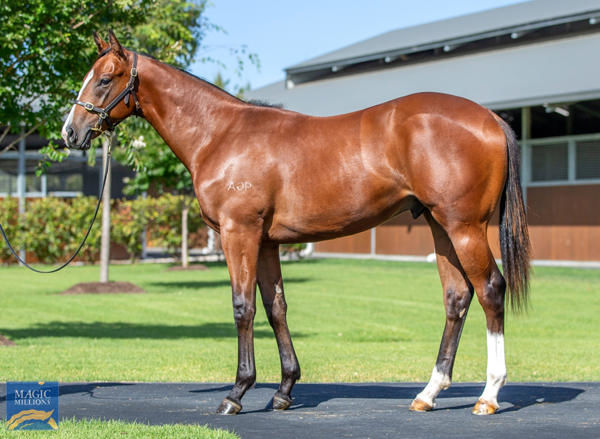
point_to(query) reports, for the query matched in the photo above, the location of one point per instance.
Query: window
(587, 160)
(550, 162)
(8, 182)
(568, 160)
(64, 182)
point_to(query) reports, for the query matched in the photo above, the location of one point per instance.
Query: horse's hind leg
(457, 298)
(271, 289)
(471, 245)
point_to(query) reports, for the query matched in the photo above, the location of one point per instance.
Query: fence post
(105, 240)
(21, 184)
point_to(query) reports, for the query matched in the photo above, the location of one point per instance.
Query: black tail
(514, 236)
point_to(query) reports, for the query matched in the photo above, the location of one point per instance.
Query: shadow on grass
(202, 284)
(518, 395)
(125, 330)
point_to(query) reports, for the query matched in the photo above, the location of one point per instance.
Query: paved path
(379, 410)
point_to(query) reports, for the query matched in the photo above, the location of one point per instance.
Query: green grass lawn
(70, 429)
(350, 320)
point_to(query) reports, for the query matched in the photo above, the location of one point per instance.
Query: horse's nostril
(71, 134)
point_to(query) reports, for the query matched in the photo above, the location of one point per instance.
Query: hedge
(52, 228)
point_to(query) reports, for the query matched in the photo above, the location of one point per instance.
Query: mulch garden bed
(104, 288)
(5, 341)
(200, 267)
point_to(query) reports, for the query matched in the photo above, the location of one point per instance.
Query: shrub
(165, 220)
(52, 228)
(8, 218)
(129, 219)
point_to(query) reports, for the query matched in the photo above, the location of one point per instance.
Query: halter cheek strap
(104, 113)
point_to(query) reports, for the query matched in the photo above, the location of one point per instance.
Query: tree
(46, 49)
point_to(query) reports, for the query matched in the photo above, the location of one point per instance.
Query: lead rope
(54, 270)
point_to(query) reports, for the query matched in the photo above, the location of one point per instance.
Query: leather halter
(104, 113)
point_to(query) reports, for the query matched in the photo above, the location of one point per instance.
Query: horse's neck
(188, 113)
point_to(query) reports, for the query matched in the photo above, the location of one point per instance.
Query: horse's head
(107, 95)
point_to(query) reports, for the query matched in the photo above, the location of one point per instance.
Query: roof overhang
(561, 70)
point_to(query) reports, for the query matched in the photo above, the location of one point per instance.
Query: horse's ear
(115, 45)
(100, 43)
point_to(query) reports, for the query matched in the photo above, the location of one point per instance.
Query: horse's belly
(335, 217)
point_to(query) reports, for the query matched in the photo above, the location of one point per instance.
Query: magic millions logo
(32, 406)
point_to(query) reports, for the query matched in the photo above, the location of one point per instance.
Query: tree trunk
(105, 240)
(185, 210)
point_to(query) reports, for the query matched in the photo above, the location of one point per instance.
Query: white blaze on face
(69, 120)
(496, 367)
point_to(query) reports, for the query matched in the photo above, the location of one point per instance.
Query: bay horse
(266, 176)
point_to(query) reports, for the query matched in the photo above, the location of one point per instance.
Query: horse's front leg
(241, 246)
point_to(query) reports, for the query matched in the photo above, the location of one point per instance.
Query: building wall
(564, 224)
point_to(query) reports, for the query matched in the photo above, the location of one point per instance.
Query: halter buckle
(102, 115)
(88, 106)
(134, 72)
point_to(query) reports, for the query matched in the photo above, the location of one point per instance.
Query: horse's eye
(105, 81)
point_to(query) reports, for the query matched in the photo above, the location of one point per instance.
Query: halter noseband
(104, 113)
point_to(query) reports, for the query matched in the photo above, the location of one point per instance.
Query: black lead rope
(54, 270)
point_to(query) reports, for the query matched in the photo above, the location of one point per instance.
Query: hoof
(420, 406)
(228, 407)
(484, 407)
(281, 402)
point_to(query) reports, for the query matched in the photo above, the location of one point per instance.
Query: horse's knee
(243, 311)
(492, 295)
(457, 302)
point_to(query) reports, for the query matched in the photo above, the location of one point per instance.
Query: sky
(283, 33)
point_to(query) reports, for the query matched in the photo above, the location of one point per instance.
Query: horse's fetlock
(246, 380)
(292, 374)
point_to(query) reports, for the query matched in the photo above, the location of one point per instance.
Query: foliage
(158, 169)
(292, 250)
(46, 49)
(129, 220)
(9, 220)
(165, 216)
(52, 228)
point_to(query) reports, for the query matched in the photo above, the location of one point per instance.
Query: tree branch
(22, 136)
(82, 22)
(3, 135)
